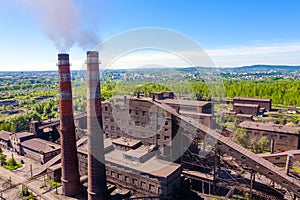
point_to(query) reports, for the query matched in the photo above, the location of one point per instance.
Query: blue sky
(232, 32)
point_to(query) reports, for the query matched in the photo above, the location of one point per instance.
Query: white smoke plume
(62, 22)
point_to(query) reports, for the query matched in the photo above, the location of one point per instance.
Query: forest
(282, 92)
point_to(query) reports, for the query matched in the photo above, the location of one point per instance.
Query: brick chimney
(69, 161)
(97, 188)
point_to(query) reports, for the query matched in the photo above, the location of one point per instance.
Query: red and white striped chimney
(97, 188)
(69, 160)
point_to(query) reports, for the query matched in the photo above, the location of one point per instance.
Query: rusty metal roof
(269, 127)
(40, 145)
(252, 99)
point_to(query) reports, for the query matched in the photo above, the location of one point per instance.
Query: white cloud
(269, 53)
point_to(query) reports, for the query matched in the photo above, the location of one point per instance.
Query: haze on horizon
(232, 33)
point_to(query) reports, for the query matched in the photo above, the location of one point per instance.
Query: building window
(112, 128)
(135, 181)
(144, 113)
(120, 176)
(152, 188)
(166, 122)
(127, 179)
(105, 108)
(112, 174)
(274, 136)
(166, 137)
(143, 184)
(158, 137)
(283, 137)
(166, 129)
(136, 112)
(160, 190)
(129, 111)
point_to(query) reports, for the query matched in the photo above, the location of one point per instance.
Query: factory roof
(4, 135)
(153, 166)
(244, 115)
(184, 102)
(128, 142)
(270, 127)
(107, 146)
(252, 99)
(246, 105)
(40, 145)
(195, 113)
(139, 152)
(22, 135)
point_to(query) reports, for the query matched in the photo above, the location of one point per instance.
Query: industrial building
(283, 138)
(134, 166)
(5, 139)
(40, 150)
(246, 109)
(150, 146)
(16, 140)
(264, 103)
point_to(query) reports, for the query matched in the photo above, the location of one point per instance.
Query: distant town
(195, 133)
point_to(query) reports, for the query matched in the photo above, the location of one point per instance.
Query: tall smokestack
(69, 161)
(96, 165)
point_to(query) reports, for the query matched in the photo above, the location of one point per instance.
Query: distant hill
(262, 68)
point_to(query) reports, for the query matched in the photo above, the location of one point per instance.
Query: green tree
(264, 144)
(241, 137)
(11, 162)
(261, 145)
(2, 159)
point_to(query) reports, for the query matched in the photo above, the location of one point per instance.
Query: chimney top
(63, 56)
(92, 53)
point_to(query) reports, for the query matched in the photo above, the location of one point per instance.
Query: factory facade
(282, 138)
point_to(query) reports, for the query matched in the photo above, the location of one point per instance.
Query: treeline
(281, 91)
(286, 92)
